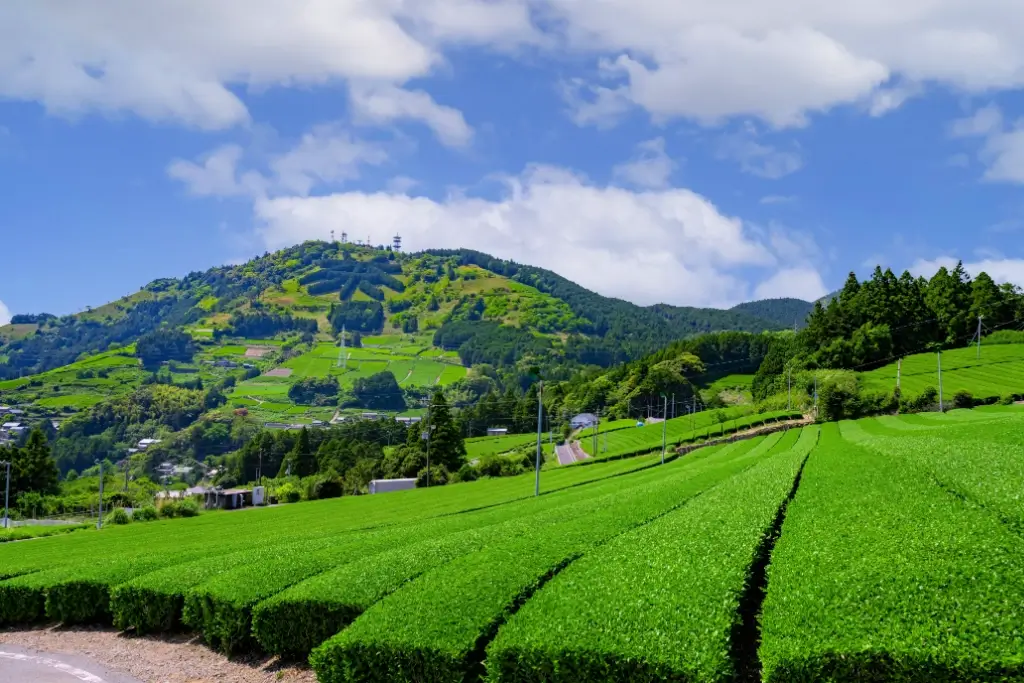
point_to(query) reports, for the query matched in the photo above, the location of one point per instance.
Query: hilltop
(321, 287)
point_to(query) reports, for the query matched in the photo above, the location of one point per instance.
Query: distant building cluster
(11, 426)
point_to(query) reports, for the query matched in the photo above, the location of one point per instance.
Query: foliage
(145, 514)
(163, 345)
(379, 392)
(118, 516)
(315, 391)
(261, 324)
(33, 470)
(357, 316)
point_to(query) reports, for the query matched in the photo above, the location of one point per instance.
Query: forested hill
(640, 330)
(783, 312)
(490, 310)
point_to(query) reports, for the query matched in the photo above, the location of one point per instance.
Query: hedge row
(432, 628)
(297, 620)
(880, 574)
(661, 602)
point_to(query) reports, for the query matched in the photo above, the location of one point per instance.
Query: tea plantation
(883, 549)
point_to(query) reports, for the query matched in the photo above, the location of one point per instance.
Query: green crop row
(881, 575)
(297, 620)
(625, 443)
(431, 628)
(671, 589)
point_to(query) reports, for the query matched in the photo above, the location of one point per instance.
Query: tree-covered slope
(321, 287)
(785, 312)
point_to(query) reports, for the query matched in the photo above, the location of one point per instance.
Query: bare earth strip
(257, 351)
(171, 660)
(279, 372)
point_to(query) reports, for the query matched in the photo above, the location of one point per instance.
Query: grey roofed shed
(583, 420)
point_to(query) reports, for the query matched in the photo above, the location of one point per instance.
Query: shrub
(188, 508)
(118, 516)
(1007, 400)
(145, 514)
(438, 476)
(288, 493)
(963, 399)
(327, 488)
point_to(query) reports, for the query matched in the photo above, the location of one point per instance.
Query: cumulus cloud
(328, 155)
(386, 104)
(650, 167)
(778, 60)
(799, 283)
(5, 314)
(1002, 148)
(1000, 269)
(667, 245)
(167, 60)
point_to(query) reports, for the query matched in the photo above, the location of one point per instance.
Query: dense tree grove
(357, 316)
(379, 392)
(33, 469)
(315, 391)
(163, 345)
(885, 317)
(261, 324)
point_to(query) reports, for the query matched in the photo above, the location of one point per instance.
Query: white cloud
(327, 156)
(668, 245)
(5, 314)
(757, 158)
(779, 60)
(650, 167)
(168, 60)
(799, 283)
(1002, 150)
(1000, 269)
(387, 104)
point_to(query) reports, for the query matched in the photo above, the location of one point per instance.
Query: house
(276, 425)
(165, 469)
(227, 499)
(408, 420)
(497, 431)
(146, 443)
(371, 416)
(12, 429)
(15, 411)
(583, 420)
(224, 363)
(389, 485)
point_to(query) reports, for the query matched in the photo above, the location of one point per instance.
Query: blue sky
(698, 153)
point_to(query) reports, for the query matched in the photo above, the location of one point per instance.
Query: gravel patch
(279, 372)
(173, 659)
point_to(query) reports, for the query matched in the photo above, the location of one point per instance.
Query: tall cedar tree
(302, 459)
(33, 469)
(446, 445)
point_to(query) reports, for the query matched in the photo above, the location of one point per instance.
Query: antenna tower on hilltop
(344, 237)
(397, 242)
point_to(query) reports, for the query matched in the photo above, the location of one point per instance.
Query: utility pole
(7, 492)
(540, 413)
(99, 519)
(673, 406)
(693, 413)
(342, 357)
(426, 435)
(789, 389)
(939, 354)
(979, 336)
(899, 372)
(597, 430)
(664, 429)
(815, 398)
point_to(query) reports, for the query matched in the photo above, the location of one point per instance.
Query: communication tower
(397, 243)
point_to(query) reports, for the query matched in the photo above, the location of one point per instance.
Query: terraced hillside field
(998, 372)
(878, 550)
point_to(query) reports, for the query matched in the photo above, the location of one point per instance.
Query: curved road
(24, 665)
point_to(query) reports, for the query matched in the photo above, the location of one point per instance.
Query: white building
(389, 485)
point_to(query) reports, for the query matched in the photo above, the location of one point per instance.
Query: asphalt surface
(570, 453)
(24, 665)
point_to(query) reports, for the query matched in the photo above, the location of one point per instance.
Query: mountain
(498, 308)
(784, 312)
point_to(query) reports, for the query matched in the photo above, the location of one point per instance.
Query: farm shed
(388, 485)
(497, 431)
(228, 499)
(583, 420)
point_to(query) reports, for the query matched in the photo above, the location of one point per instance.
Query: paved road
(24, 665)
(570, 453)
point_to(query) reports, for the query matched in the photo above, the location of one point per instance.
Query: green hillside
(774, 558)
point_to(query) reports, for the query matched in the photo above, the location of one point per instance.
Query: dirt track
(176, 659)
